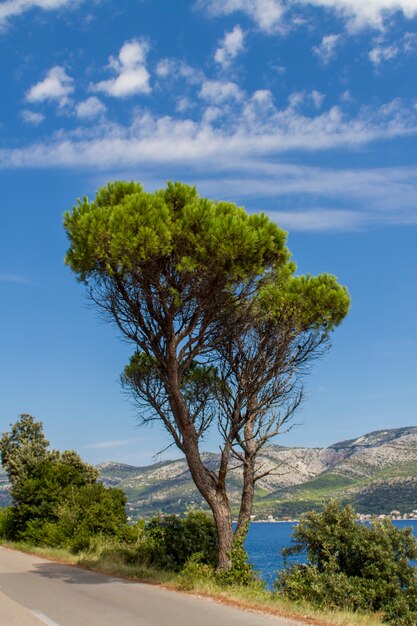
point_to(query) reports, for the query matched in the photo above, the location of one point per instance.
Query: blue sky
(305, 109)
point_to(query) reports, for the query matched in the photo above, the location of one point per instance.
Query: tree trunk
(223, 520)
(248, 488)
(214, 493)
(248, 492)
(211, 486)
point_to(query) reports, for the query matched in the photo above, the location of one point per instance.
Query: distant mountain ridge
(376, 472)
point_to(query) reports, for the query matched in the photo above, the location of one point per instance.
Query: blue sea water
(265, 541)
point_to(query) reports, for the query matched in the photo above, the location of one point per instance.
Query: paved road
(34, 591)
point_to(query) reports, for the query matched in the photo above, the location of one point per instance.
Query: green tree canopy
(56, 496)
(23, 447)
(195, 284)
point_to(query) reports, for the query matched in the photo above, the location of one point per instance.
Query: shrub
(353, 566)
(196, 571)
(169, 542)
(6, 523)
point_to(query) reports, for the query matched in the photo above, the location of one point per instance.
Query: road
(34, 591)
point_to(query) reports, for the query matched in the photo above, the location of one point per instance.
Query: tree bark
(223, 520)
(248, 488)
(248, 492)
(211, 486)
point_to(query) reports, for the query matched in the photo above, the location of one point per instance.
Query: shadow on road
(75, 575)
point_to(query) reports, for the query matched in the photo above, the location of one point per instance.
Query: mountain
(376, 473)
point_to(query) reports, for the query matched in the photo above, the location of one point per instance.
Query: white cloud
(217, 92)
(132, 77)
(230, 47)
(114, 443)
(239, 147)
(362, 14)
(317, 98)
(346, 96)
(269, 14)
(326, 50)
(56, 86)
(211, 114)
(13, 278)
(12, 8)
(320, 220)
(253, 126)
(90, 108)
(355, 198)
(174, 69)
(381, 53)
(410, 42)
(32, 117)
(184, 104)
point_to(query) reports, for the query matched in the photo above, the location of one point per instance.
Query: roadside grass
(112, 559)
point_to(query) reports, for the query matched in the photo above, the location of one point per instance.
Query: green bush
(353, 566)
(6, 523)
(196, 571)
(168, 542)
(57, 501)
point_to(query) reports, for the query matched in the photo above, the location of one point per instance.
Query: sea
(265, 541)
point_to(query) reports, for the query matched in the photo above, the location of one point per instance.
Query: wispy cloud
(32, 117)
(269, 15)
(320, 220)
(13, 8)
(326, 50)
(13, 278)
(113, 443)
(253, 126)
(173, 69)
(237, 138)
(132, 77)
(338, 199)
(383, 51)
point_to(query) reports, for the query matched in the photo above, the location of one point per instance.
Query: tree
(57, 500)
(354, 566)
(267, 345)
(21, 450)
(172, 270)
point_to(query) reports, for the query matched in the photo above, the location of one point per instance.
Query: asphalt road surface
(34, 591)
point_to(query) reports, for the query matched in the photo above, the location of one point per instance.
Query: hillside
(376, 472)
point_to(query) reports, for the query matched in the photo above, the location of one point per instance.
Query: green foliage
(21, 450)
(57, 501)
(6, 522)
(353, 566)
(169, 542)
(196, 571)
(306, 302)
(127, 230)
(50, 483)
(183, 277)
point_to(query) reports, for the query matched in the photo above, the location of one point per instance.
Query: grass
(111, 559)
